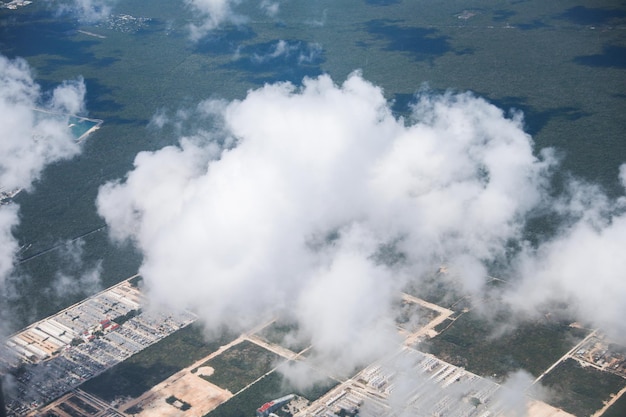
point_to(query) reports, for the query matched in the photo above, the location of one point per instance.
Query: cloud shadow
(611, 57)
(591, 16)
(422, 43)
(262, 63)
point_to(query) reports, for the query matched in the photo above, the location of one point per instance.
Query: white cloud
(310, 54)
(213, 14)
(31, 139)
(73, 277)
(281, 48)
(8, 245)
(289, 216)
(270, 8)
(88, 10)
(512, 394)
(303, 53)
(69, 97)
(87, 282)
(582, 267)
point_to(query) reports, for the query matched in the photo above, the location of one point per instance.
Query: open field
(618, 409)
(240, 365)
(142, 371)
(273, 385)
(470, 342)
(201, 395)
(541, 409)
(581, 390)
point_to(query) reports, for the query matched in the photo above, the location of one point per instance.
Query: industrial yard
(599, 352)
(417, 384)
(52, 359)
(55, 355)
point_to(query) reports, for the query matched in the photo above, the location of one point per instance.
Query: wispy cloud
(300, 52)
(270, 7)
(87, 10)
(581, 267)
(31, 139)
(212, 14)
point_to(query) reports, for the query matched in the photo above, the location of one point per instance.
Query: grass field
(618, 409)
(581, 391)
(270, 387)
(469, 342)
(240, 365)
(284, 334)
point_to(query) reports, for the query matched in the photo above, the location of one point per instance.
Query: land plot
(618, 409)
(541, 409)
(270, 387)
(147, 368)
(240, 365)
(469, 342)
(603, 354)
(78, 404)
(440, 289)
(284, 334)
(422, 318)
(413, 316)
(581, 390)
(199, 395)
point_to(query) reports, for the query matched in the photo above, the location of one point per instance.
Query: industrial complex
(55, 355)
(50, 359)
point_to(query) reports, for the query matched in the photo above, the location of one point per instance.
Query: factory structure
(269, 407)
(80, 342)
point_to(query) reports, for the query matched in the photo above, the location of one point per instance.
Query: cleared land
(142, 371)
(541, 409)
(201, 395)
(187, 385)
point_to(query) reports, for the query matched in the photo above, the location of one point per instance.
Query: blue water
(560, 64)
(80, 126)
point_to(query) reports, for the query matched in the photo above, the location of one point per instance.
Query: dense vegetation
(240, 365)
(582, 391)
(618, 409)
(246, 403)
(469, 342)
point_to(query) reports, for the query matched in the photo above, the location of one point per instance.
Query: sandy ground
(541, 409)
(186, 386)
(609, 403)
(205, 371)
(199, 393)
(429, 329)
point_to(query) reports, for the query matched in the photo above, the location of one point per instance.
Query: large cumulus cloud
(290, 211)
